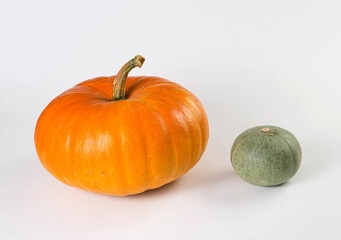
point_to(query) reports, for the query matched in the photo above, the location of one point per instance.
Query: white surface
(249, 62)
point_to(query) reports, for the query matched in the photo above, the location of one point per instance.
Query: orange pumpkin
(122, 135)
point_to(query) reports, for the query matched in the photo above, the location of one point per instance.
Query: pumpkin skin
(152, 137)
(266, 155)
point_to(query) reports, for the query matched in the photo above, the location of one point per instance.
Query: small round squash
(266, 155)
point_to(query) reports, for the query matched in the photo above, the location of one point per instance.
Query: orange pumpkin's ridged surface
(152, 137)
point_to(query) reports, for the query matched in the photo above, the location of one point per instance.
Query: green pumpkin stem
(118, 90)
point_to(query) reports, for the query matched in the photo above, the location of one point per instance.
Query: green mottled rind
(266, 159)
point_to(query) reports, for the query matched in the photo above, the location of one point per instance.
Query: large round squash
(122, 135)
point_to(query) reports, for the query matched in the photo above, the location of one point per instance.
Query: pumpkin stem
(118, 90)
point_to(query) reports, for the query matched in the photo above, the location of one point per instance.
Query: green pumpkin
(266, 155)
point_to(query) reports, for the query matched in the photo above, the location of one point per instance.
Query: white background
(249, 62)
